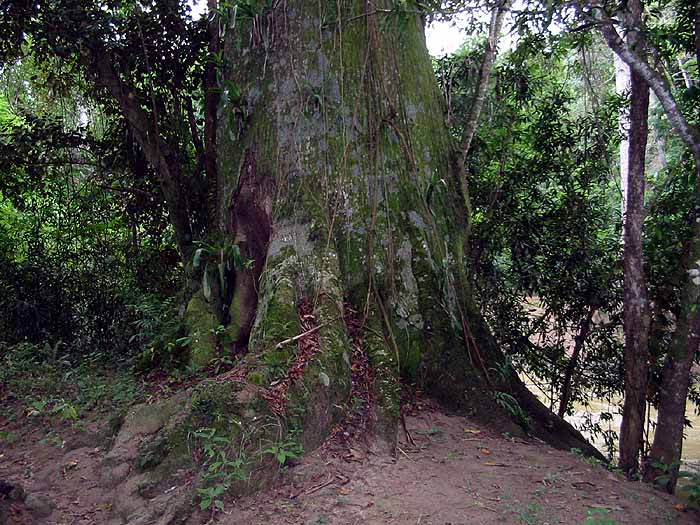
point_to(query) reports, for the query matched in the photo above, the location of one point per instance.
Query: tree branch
(156, 150)
(497, 15)
(688, 133)
(196, 139)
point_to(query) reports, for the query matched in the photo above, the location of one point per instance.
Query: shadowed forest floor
(453, 472)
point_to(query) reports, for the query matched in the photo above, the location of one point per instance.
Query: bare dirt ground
(454, 472)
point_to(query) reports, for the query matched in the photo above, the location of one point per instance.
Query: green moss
(201, 325)
(382, 355)
(152, 454)
(215, 398)
(115, 422)
(257, 378)
(277, 317)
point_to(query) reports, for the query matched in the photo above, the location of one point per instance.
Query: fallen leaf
(485, 452)
(354, 455)
(680, 507)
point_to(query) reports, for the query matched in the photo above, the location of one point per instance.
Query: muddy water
(691, 444)
(596, 407)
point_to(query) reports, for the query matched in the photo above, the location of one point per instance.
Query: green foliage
(57, 391)
(598, 516)
(222, 470)
(8, 119)
(690, 487)
(218, 263)
(286, 450)
(545, 239)
(73, 254)
(511, 405)
(161, 331)
(666, 469)
(247, 9)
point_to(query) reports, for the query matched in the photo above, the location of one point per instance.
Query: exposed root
(412, 404)
(359, 417)
(308, 345)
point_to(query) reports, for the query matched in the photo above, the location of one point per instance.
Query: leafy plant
(511, 405)
(529, 515)
(8, 437)
(218, 261)
(37, 408)
(161, 329)
(222, 469)
(665, 469)
(66, 410)
(290, 449)
(691, 487)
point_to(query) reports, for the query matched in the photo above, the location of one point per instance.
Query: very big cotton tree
(333, 211)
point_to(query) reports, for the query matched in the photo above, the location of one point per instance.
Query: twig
(303, 334)
(409, 457)
(405, 429)
(319, 487)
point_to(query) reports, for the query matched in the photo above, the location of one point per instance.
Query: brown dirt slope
(453, 472)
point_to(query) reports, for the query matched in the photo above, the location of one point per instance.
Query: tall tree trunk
(664, 459)
(498, 14)
(622, 88)
(163, 159)
(636, 314)
(668, 439)
(665, 456)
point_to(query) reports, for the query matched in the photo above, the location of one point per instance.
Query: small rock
(39, 505)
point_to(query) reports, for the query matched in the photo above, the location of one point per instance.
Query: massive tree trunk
(338, 183)
(339, 141)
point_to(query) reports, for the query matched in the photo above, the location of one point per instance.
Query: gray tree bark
(636, 309)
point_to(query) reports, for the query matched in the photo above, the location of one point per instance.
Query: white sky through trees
(442, 37)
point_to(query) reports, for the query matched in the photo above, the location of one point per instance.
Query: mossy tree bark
(337, 177)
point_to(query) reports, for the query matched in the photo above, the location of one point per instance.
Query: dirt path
(455, 473)
(59, 471)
